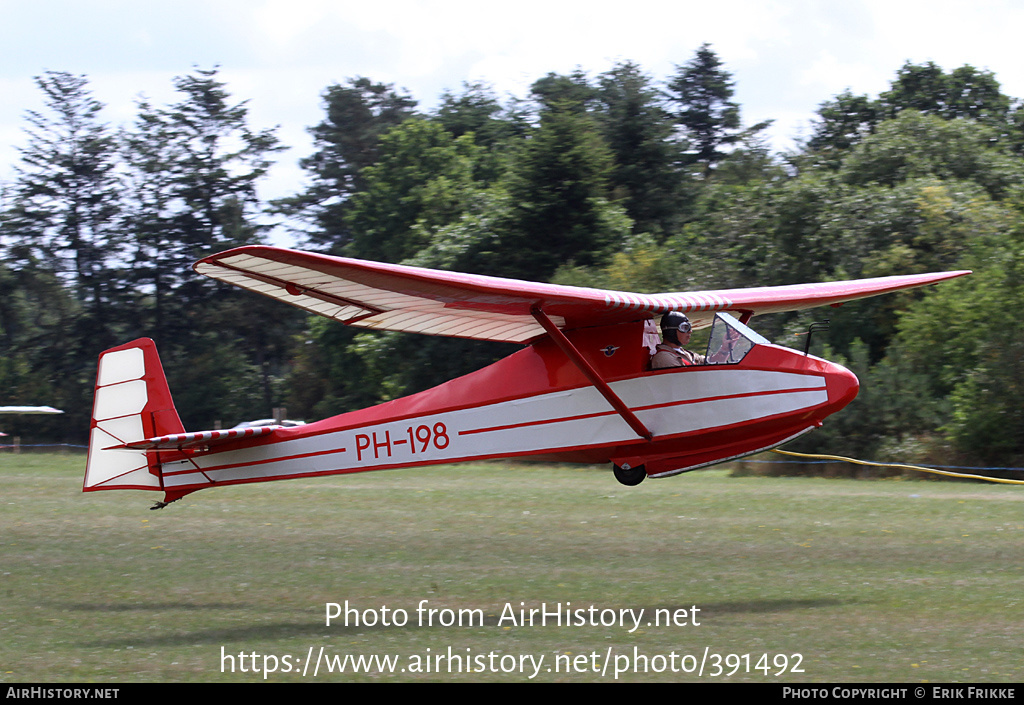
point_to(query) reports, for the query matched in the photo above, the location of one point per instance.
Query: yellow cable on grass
(901, 466)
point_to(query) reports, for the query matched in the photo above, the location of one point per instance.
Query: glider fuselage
(536, 403)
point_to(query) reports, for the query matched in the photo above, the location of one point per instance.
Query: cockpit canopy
(731, 340)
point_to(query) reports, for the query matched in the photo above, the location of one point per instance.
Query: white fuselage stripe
(678, 403)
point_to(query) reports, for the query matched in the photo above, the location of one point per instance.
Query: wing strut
(590, 373)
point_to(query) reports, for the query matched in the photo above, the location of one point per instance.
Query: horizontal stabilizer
(196, 440)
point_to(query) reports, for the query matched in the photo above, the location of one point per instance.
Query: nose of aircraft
(842, 386)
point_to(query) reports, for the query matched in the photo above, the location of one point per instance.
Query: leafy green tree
(841, 123)
(1015, 128)
(976, 95)
(560, 199)
(914, 145)
(326, 377)
(966, 92)
(966, 339)
(751, 162)
(564, 92)
(346, 142)
(923, 88)
(476, 110)
(642, 265)
(423, 177)
(494, 128)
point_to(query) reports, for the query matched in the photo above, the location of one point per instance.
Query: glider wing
(395, 297)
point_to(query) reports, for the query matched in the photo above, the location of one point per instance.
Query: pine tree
(64, 203)
(706, 112)
(194, 168)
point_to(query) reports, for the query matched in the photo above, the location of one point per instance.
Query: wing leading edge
(394, 297)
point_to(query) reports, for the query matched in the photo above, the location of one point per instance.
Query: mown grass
(892, 581)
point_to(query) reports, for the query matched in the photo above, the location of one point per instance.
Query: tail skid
(131, 402)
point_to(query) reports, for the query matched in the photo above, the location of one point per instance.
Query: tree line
(617, 180)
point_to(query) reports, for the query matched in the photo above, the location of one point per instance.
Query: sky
(786, 56)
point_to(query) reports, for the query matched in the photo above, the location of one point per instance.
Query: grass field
(893, 581)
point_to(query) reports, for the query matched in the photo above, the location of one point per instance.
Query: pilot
(675, 333)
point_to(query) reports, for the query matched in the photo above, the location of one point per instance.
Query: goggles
(683, 326)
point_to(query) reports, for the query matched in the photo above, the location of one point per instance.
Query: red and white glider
(580, 390)
(29, 410)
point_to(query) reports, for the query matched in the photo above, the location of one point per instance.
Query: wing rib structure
(394, 297)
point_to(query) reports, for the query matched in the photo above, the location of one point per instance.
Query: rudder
(132, 401)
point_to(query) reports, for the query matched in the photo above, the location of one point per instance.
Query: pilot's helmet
(674, 320)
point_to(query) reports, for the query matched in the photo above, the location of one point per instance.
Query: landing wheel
(630, 476)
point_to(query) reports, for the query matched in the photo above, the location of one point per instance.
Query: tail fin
(131, 402)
